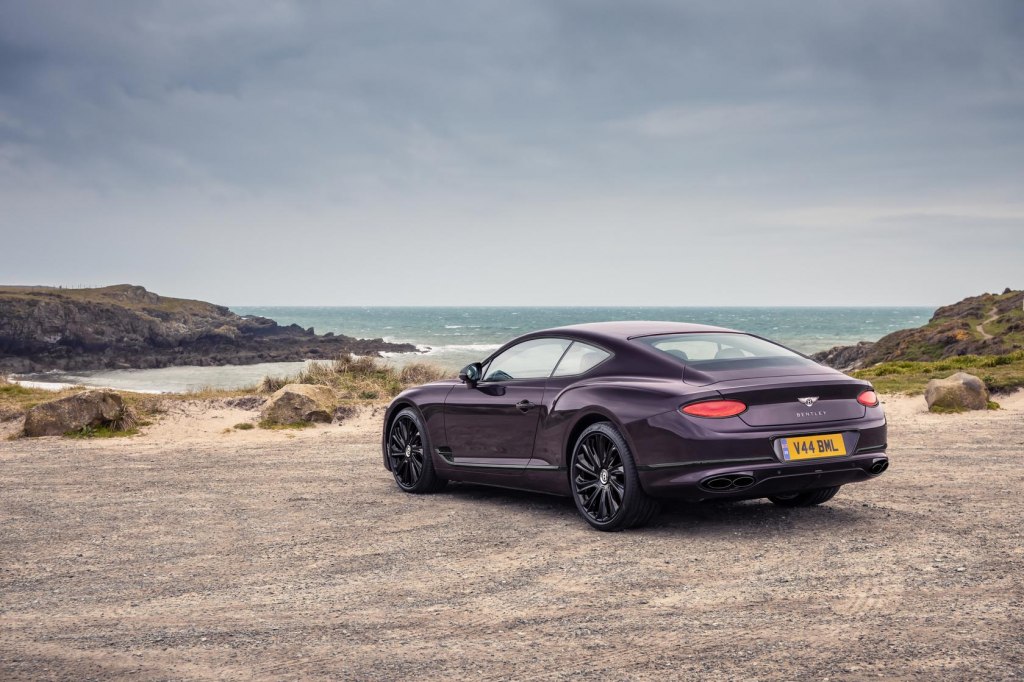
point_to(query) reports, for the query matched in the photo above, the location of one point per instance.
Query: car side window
(533, 359)
(580, 358)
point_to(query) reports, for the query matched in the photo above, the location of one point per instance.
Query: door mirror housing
(470, 374)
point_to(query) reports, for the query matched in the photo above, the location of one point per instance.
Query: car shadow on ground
(703, 517)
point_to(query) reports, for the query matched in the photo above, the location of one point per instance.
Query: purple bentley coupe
(619, 414)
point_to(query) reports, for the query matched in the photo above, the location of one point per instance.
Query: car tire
(409, 454)
(808, 498)
(604, 481)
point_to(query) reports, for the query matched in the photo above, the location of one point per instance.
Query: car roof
(630, 329)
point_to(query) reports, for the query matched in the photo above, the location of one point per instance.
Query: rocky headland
(126, 326)
(989, 324)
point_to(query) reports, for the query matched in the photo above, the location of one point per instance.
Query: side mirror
(470, 374)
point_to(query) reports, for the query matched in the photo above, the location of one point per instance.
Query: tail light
(714, 409)
(868, 399)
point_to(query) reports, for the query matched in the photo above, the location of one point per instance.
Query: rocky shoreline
(126, 326)
(989, 324)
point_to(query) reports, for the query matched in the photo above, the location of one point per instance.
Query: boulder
(345, 412)
(75, 412)
(961, 391)
(300, 403)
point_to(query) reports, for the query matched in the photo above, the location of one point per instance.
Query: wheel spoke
(596, 455)
(606, 453)
(586, 468)
(613, 504)
(617, 488)
(587, 457)
(584, 486)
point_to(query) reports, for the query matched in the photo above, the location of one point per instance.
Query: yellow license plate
(813, 447)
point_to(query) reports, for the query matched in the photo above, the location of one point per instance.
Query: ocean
(453, 336)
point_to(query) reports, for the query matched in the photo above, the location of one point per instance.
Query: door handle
(524, 405)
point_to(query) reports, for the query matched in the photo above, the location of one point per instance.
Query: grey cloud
(447, 118)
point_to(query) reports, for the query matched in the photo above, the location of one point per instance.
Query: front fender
(428, 400)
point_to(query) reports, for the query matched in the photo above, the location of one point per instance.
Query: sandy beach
(194, 552)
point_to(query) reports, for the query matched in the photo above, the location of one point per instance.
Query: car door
(494, 423)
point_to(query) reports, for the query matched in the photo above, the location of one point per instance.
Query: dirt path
(275, 558)
(993, 314)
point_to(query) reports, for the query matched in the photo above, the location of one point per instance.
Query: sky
(576, 152)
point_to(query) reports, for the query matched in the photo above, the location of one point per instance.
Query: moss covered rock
(88, 409)
(957, 393)
(300, 403)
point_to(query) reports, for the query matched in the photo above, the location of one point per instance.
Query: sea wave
(457, 347)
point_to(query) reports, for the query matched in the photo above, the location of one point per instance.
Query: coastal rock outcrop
(961, 391)
(845, 357)
(300, 403)
(990, 324)
(73, 413)
(125, 326)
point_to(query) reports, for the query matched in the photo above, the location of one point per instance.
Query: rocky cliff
(43, 328)
(990, 324)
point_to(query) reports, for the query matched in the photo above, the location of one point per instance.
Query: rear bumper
(676, 455)
(771, 478)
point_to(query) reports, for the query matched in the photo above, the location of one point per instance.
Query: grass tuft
(361, 378)
(244, 426)
(126, 420)
(101, 432)
(1001, 373)
(271, 426)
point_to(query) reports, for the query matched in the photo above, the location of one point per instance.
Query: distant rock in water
(990, 324)
(125, 326)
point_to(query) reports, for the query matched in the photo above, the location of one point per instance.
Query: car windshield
(710, 351)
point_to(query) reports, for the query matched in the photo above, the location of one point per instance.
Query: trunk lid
(796, 400)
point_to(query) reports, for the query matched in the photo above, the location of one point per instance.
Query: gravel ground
(282, 558)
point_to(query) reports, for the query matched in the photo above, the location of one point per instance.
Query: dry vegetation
(355, 379)
(361, 378)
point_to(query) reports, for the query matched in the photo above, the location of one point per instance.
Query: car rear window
(710, 351)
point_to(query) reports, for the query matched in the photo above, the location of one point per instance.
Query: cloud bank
(530, 153)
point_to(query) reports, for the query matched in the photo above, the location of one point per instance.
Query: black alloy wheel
(605, 484)
(409, 455)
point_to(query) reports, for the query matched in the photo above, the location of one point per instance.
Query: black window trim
(608, 356)
(487, 361)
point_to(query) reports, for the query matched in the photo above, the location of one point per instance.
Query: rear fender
(619, 403)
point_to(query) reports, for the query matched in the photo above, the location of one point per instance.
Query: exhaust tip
(878, 466)
(728, 482)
